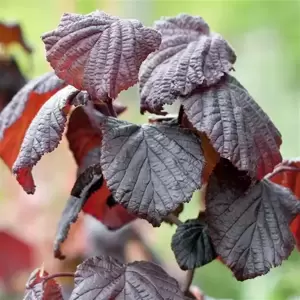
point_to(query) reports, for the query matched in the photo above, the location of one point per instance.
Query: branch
(282, 169)
(180, 114)
(111, 108)
(171, 218)
(52, 276)
(188, 280)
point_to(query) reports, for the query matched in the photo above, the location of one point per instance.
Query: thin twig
(64, 274)
(188, 280)
(173, 219)
(180, 114)
(282, 169)
(111, 108)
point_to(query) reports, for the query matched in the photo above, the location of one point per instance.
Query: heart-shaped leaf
(189, 56)
(249, 222)
(150, 169)
(99, 53)
(44, 134)
(236, 126)
(105, 278)
(18, 114)
(192, 245)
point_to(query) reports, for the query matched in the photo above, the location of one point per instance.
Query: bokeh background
(266, 37)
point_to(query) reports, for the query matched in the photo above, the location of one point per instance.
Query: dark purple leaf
(44, 134)
(101, 278)
(99, 53)
(11, 81)
(192, 245)
(150, 169)
(86, 184)
(249, 222)
(37, 288)
(189, 56)
(236, 126)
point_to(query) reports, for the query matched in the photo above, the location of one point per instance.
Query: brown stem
(111, 108)
(64, 274)
(180, 114)
(188, 280)
(173, 219)
(282, 169)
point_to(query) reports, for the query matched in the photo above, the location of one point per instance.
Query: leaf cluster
(220, 139)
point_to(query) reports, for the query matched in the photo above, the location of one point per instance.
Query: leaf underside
(236, 126)
(150, 169)
(249, 222)
(105, 278)
(18, 114)
(44, 134)
(86, 184)
(99, 53)
(192, 245)
(188, 57)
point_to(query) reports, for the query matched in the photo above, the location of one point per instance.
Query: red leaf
(16, 255)
(18, 114)
(113, 217)
(11, 33)
(81, 135)
(287, 174)
(39, 287)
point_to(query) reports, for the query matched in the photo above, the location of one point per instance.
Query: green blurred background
(266, 37)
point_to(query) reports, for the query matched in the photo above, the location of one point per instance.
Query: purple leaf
(100, 278)
(40, 85)
(236, 126)
(150, 169)
(192, 245)
(99, 53)
(86, 184)
(44, 134)
(249, 222)
(189, 56)
(37, 288)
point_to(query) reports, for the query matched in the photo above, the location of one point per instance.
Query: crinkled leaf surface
(287, 174)
(189, 56)
(105, 278)
(236, 126)
(37, 288)
(192, 245)
(43, 134)
(85, 138)
(249, 222)
(99, 53)
(18, 114)
(150, 169)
